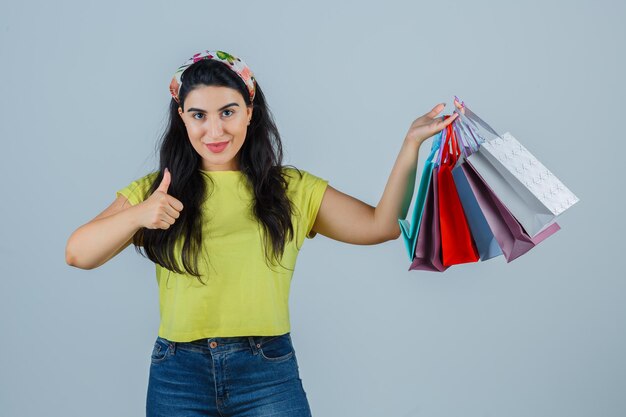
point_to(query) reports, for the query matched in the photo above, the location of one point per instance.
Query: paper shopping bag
(544, 195)
(486, 243)
(457, 243)
(410, 230)
(526, 187)
(510, 235)
(428, 246)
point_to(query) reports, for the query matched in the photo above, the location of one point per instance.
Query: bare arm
(396, 198)
(111, 231)
(101, 239)
(347, 219)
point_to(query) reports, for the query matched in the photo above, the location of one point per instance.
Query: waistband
(217, 344)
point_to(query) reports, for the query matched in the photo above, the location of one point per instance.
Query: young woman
(223, 220)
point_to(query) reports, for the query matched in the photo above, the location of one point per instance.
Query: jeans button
(213, 344)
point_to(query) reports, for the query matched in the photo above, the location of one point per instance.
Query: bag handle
(477, 125)
(469, 132)
(441, 139)
(469, 144)
(450, 148)
(445, 143)
(459, 148)
(434, 149)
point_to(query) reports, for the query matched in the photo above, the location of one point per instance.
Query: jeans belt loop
(254, 345)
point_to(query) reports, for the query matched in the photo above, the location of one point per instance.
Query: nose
(215, 128)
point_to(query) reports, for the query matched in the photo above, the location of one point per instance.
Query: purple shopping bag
(511, 236)
(428, 247)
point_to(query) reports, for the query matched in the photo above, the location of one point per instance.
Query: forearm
(398, 192)
(94, 243)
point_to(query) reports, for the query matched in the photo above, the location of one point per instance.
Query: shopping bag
(529, 178)
(510, 235)
(486, 243)
(457, 243)
(523, 184)
(428, 245)
(410, 230)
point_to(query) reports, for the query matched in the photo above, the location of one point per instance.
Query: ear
(180, 112)
(250, 109)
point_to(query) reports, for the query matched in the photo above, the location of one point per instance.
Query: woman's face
(213, 115)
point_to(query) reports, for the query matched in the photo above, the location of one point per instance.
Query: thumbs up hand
(165, 182)
(160, 210)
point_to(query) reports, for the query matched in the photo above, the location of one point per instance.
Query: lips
(217, 146)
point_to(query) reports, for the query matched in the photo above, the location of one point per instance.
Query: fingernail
(463, 104)
(457, 99)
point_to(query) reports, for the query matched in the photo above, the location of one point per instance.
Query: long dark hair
(260, 159)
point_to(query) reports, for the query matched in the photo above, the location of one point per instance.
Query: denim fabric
(248, 376)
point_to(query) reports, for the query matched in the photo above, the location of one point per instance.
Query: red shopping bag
(457, 244)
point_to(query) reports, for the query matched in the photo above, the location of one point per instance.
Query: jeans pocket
(160, 351)
(277, 349)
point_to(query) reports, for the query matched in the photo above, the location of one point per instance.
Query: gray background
(84, 97)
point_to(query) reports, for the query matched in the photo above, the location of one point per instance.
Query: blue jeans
(248, 376)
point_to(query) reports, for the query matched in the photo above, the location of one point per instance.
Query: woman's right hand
(160, 210)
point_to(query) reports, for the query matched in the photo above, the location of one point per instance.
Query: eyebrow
(220, 109)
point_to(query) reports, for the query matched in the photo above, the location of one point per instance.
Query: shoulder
(301, 178)
(144, 183)
(148, 178)
(307, 191)
(136, 191)
(305, 187)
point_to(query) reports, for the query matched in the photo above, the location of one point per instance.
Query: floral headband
(234, 63)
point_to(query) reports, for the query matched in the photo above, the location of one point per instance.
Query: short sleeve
(136, 191)
(313, 188)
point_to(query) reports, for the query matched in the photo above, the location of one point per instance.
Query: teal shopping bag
(409, 230)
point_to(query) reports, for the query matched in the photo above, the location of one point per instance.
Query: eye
(201, 115)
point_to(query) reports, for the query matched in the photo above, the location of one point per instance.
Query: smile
(217, 147)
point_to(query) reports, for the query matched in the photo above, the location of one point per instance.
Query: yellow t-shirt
(242, 295)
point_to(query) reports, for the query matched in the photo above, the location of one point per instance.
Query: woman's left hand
(429, 124)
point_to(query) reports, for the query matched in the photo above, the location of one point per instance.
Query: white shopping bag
(516, 159)
(526, 187)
